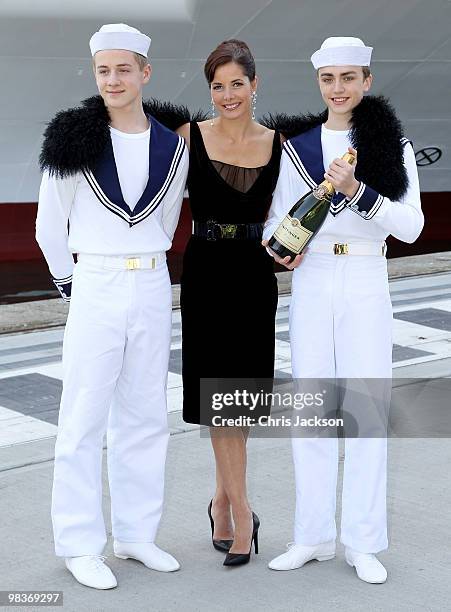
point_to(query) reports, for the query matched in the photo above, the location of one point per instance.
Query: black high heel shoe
(221, 545)
(242, 558)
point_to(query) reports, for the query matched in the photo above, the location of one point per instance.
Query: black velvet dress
(228, 287)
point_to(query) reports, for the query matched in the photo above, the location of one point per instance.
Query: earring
(212, 112)
(254, 104)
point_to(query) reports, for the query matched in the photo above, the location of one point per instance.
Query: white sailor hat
(119, 36)
(342, 51)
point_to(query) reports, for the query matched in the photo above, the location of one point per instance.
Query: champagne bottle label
(292, 235)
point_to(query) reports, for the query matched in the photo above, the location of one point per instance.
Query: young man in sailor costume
(340, 313)
(111, 193)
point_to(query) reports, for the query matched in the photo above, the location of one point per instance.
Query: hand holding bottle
(307, 215)
(341, 175)
(289, 263)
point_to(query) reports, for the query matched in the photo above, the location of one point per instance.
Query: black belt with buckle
(210, 230)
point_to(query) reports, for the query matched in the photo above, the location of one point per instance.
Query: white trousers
(115, 364)
(341, 327)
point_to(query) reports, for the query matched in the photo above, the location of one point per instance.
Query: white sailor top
(367, 217)
(86, 212)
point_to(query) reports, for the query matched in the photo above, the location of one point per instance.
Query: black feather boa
(76, 138)
(376, 133)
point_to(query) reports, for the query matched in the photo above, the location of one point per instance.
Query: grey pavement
(419, 489)
(31, 368)
(418, 561)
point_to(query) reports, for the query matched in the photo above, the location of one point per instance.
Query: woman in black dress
(228, 287)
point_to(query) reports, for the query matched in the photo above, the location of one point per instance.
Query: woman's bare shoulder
(269, 133)
(265, 132)
(204, 126)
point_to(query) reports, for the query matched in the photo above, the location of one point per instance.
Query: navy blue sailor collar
(306, 154)
(165, 154)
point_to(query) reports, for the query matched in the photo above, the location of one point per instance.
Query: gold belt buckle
(228, 230)
(133, 263)
(341, 249)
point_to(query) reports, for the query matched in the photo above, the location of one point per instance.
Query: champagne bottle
(304, 219)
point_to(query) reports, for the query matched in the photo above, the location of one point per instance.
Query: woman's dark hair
(230, 51)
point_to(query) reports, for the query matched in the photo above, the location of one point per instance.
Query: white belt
(349, 248)
(144, 261)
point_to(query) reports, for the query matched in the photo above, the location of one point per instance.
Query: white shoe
(91, 571)
(298, 555)
(367, 566)
(148, 553)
